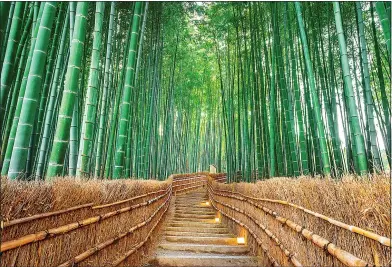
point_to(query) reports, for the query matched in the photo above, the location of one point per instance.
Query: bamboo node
(325, 247)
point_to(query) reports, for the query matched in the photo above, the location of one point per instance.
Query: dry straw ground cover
(23, 199)
(359, 202)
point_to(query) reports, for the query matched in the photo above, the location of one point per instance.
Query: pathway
(193, 238)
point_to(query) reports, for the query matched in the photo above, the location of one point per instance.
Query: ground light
(241, 240)
(217, 219)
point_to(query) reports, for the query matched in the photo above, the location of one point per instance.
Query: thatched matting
(289, 232)
(68, 221)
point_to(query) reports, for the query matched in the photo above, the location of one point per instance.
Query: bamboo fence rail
(354, 229)
(43, 215)
(340, 254)
(134, 249)
(180, 183)
(181, 178)
(177, 183)
(187, 188)
(289, 255)
(190, 183)
(129, 199)
(110, 241)
(223, 179)
(197, 180)
(258, 240)
(5, 224)
(24, 240)
(185, 181)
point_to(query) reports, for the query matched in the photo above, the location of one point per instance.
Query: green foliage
(146, 90)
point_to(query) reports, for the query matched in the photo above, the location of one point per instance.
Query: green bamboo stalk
(11, 139)
(90, 103)
(384, 97)
(314, 97)
(297, 104)
(385, 25)
(369, 107)
(349, 92)
(102, 119)
(30, 100)
(13, 102)
(5, 8)
(62, 133)
(272, 111)
(9, 59)
(47, 80)
(50, 109)
(128, 88)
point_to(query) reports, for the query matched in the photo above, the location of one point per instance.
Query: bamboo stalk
(340, 254)
(381, 239)
(102, 245)
(43, 215)
(27, 239)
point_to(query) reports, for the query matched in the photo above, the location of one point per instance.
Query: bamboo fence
(310, 248)
(290, 255)
(117, 233)
(381, 239)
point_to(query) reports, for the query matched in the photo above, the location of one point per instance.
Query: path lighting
(241, 240)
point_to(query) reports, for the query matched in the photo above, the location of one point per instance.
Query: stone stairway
(192, 237)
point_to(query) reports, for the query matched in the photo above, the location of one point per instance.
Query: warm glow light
(240, 240)
(217, 219)
(207, 203)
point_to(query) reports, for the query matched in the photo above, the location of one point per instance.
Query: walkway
(192, 237)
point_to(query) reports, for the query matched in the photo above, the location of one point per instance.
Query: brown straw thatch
(65, 207)
(313, 240)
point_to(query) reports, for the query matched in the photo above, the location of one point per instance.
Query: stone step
(196, 224)
(180, 220)
(196, 193)
(188, 233)
(194, 212)
(200, 248)
(185, 202)
(188, 259)
(196, 230)
(186, 198)
(194, 216)
(192, 206)
(203, 240)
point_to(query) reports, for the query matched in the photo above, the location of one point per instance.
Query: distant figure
(212, 169)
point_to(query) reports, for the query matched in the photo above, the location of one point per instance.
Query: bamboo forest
(246, 133)
(115, 90)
